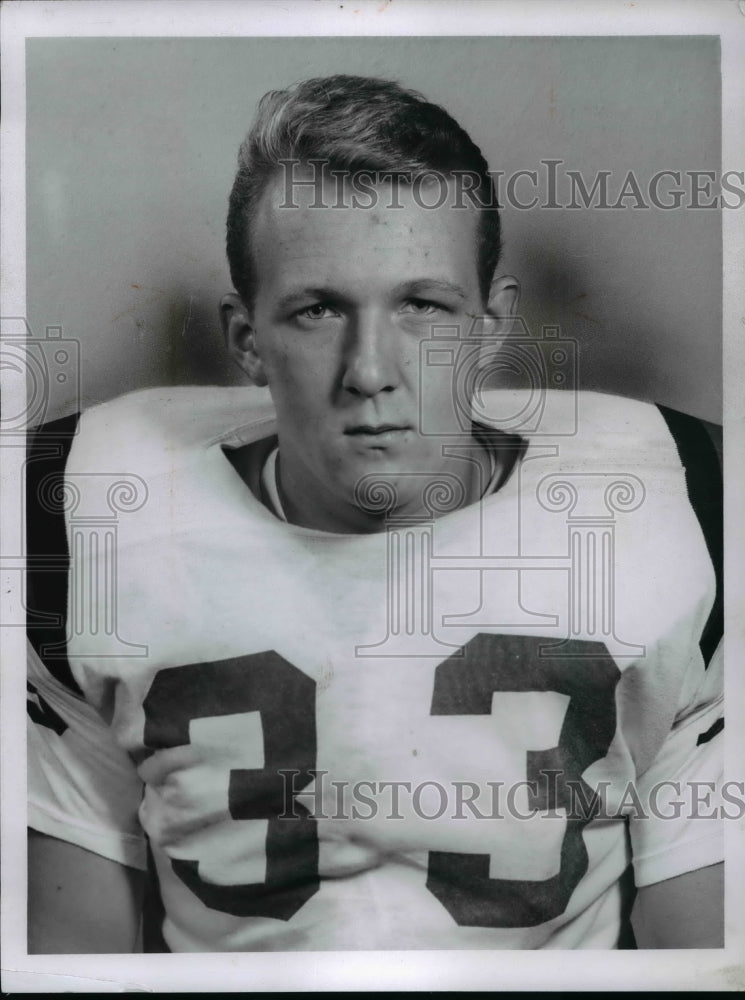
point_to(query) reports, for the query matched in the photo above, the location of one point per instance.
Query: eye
(423, 307)
(316, 311)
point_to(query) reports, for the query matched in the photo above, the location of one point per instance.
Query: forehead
(337, 229)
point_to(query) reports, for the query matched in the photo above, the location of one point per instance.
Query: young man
(377, 675)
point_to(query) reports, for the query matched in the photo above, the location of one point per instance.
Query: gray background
(131, 147)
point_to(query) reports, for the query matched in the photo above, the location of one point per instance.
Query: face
(345, 298)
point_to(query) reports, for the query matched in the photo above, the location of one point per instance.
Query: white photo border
(410, 971)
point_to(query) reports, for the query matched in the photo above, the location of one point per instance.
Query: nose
(370, 360)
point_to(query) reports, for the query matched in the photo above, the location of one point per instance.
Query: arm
(78, 902)
(682, 912)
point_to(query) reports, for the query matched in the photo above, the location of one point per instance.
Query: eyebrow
(423, 285)
(414, 287)
(300, 294)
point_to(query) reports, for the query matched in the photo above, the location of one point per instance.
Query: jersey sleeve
(679, 827)
(82, 787)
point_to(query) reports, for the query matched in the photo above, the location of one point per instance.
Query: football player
(372, 656)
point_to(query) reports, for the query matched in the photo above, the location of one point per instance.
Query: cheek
(292, 360)
(306, 376)
(300, 387)
(303, 386)
(281, 367)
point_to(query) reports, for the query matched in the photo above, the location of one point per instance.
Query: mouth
(378, 434)
(366, 429)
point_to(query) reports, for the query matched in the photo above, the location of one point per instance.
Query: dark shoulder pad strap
(703, 471)
(47, 555)
(153, 911)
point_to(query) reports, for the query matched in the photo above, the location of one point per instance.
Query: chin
(381, 488)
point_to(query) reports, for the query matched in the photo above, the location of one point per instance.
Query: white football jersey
(454, 733)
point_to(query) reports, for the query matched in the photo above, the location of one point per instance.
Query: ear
(504, 297)
(501, 309)
(240, 337)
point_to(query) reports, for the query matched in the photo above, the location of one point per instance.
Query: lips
(375, 430)
(379, 437)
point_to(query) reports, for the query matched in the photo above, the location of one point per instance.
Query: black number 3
(285, 697)
(464, 685)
